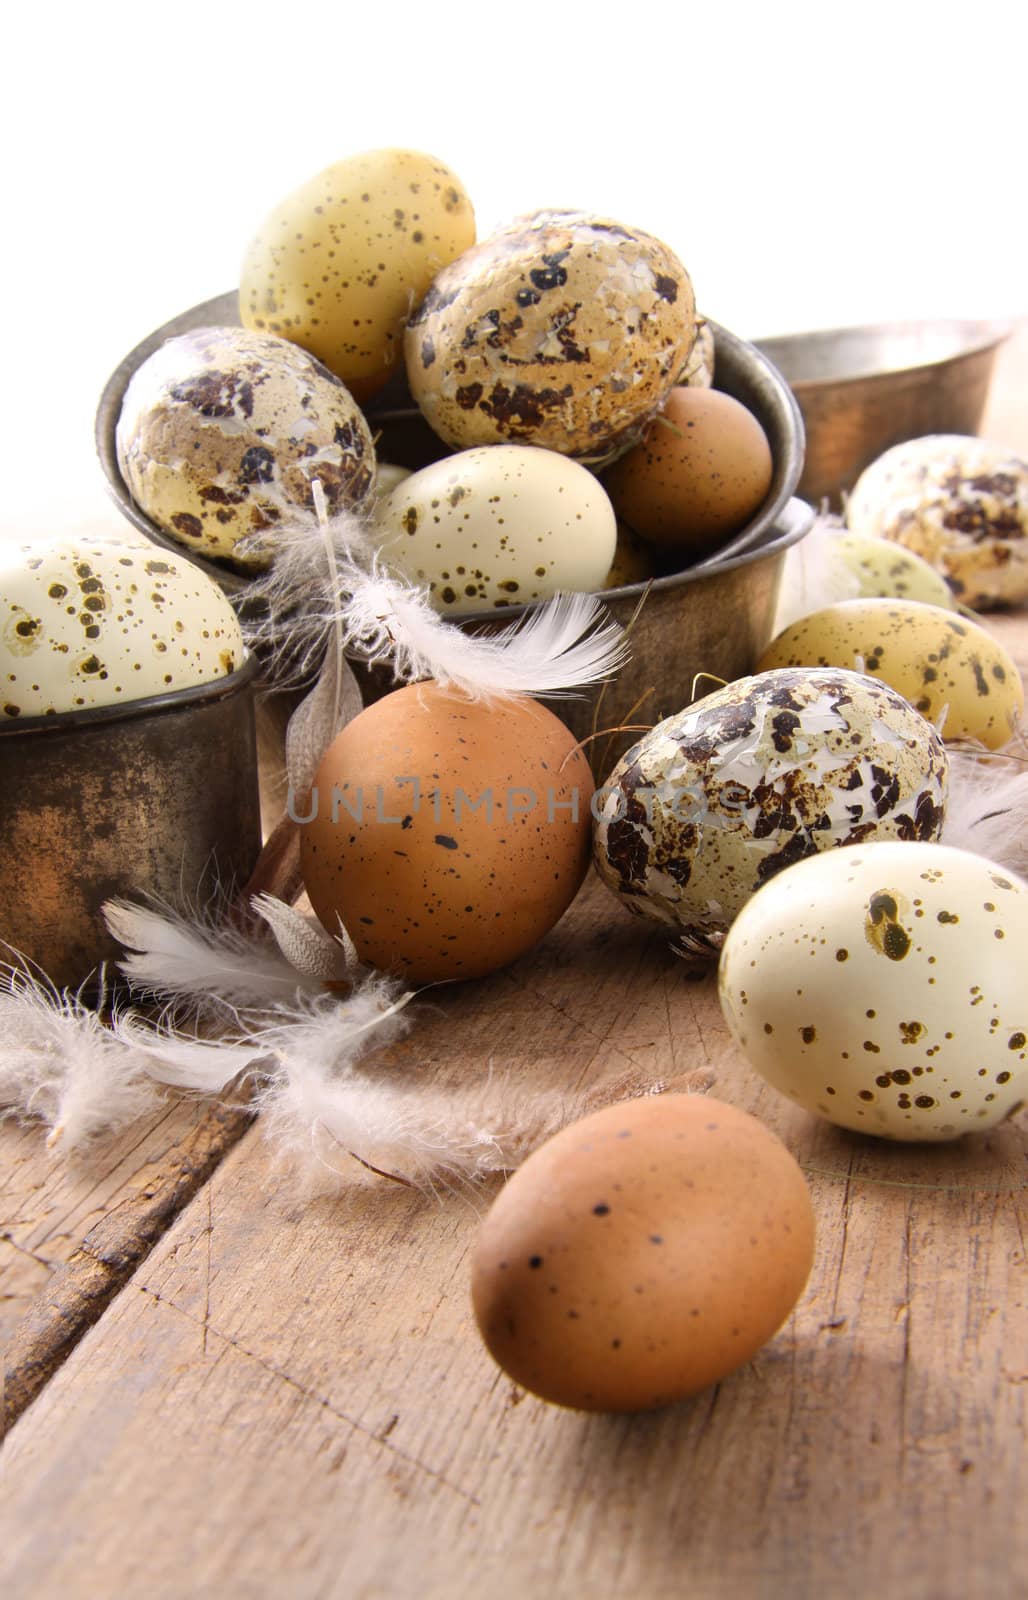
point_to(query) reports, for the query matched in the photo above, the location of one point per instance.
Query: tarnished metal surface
(155, 797)
(404, 437)
(862, 390)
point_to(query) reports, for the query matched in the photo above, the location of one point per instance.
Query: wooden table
(224, 1387)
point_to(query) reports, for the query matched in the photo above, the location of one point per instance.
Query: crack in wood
(80, 1290)
(378, 1436)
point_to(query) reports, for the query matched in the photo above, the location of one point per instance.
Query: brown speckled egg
(962, 504)
(562, 329)
(222, 431)
(642, 1254)
(701, 471)
(87, 622)
(447, 835)
(338, 264)
(717, 799)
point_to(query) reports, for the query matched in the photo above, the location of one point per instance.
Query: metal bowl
(862, 390)
(154, 797)
(713, 617)
(404, 436)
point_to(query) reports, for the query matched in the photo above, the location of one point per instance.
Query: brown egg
(448, 835)
(702, 470)
(642, 1254)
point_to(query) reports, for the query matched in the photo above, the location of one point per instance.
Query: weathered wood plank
(289, 1397)
(89, 1226)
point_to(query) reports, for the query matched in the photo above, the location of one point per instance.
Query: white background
(812, 164)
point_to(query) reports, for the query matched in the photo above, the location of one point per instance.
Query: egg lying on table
(562, 329)
(716, 800)
(884, 569)
(448, 835)
(498, 526)
(884, 987)
(945, 665)
(962, 504)
(642, 1254)
(338, 263)
(222, 432)
(88, 622)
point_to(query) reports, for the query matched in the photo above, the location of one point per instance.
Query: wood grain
(89, 1225)
(289, 1397)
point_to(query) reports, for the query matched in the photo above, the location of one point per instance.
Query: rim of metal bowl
(982, 335)
(733, 358)
(174, 700)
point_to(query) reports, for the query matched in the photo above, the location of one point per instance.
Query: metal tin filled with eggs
(155, 797)
(712, 617)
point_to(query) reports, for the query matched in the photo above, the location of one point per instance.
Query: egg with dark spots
(642, 1254)
(447, 835)
(496, 527)
(338, 264)
(959, 502)
(90, 621)
(222, 433)
(717, 799)
(948, 667)
(883, 988)
(562, 329)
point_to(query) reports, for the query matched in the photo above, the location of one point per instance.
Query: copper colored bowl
(862, 390)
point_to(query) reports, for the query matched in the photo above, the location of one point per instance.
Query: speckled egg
(702, 468)
(962, 504)
(222, 431)
(562, 329)
(699, 369)
(718, 799)
(882, 568)
(884, 988)
(642, 1254)
(946, 666)
(448, 835)
(498, 526)
(100, 621)
(338, 264)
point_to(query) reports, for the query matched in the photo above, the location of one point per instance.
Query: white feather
(288, 612)
(60, 1064)
(987, 809)
(558, 648)
(174, 955)
(814, 574)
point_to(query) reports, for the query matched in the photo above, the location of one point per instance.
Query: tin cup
(154, 798)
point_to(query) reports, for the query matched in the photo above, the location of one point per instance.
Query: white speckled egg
(222, 431)
(962, 504)
(498, 526)
(98, 622)
(716, 800)
(562, 329)
(883, 987)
